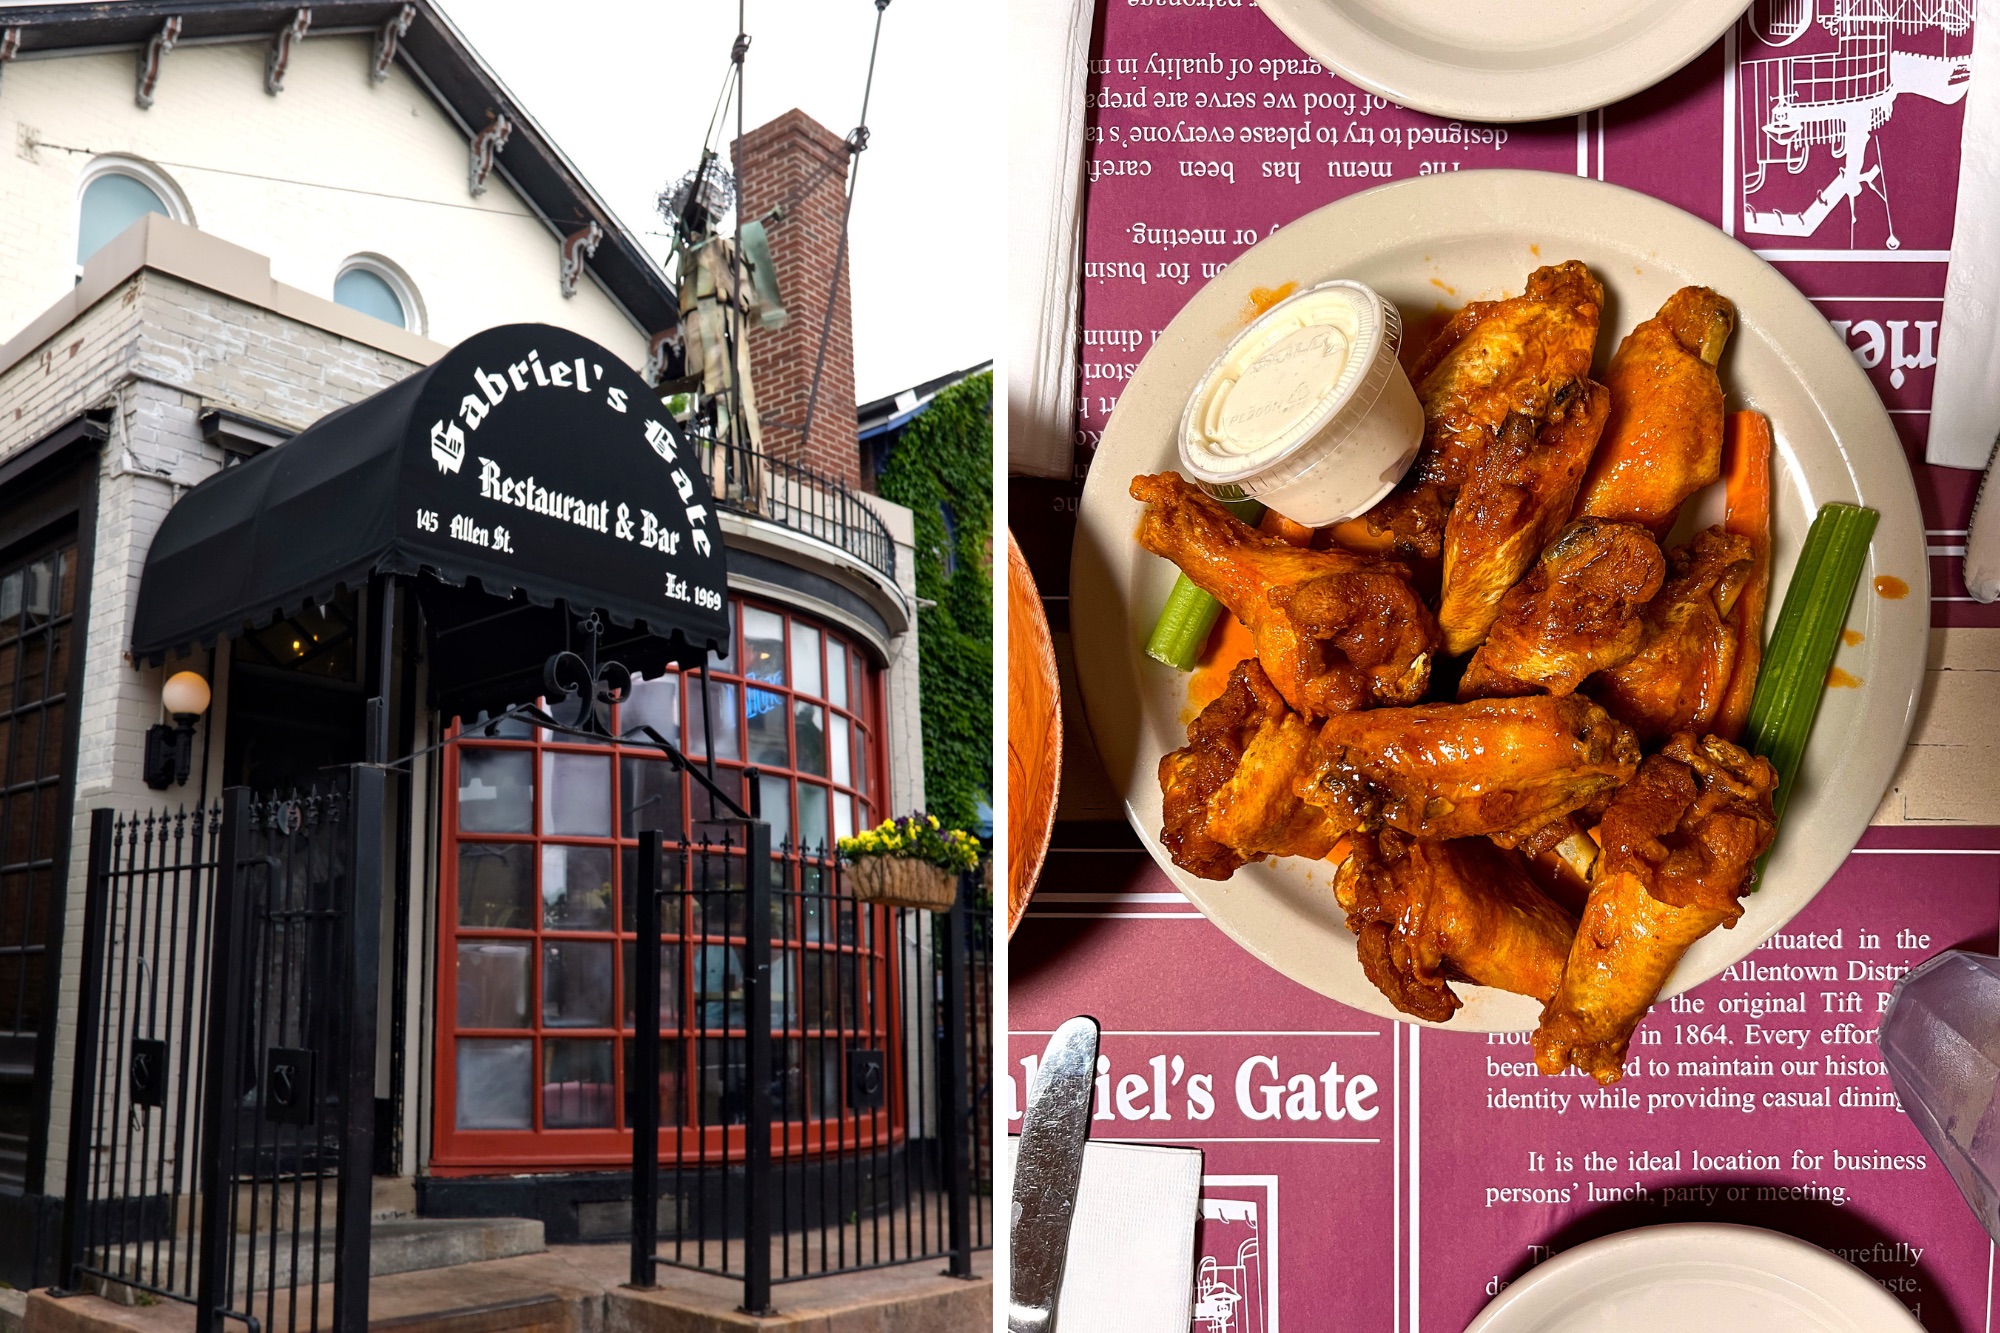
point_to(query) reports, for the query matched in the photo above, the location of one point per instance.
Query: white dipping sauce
(1308, 409)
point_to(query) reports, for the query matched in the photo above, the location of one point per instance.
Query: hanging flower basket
(909, 862)
(901, 881)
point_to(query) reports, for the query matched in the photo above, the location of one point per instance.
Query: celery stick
(1183, 626)
(1803, 643)
(1190, 613)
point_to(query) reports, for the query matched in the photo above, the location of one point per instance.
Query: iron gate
(840, 1057)
(222, 1121)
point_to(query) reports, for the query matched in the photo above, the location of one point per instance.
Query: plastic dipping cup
(1307, 410)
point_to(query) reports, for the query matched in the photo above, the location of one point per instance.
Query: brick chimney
(796, 161)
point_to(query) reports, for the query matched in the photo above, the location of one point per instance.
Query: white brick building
(206, 329)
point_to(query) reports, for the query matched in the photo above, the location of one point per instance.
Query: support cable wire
(857, 142)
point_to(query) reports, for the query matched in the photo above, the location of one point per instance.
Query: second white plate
(1716, 1278)
(1496, 60)
(1471, 236)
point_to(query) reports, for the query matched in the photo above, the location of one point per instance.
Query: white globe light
(185, 692)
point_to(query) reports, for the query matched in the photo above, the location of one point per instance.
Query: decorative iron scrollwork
(588, 687)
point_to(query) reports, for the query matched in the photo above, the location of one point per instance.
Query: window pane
(655, 703)
(651, 790)
(512, 729)
(843, 767)
(724, 1072)
(843, 815)
(492, 984)
(836, 672)
(812, 817)
(576, 793)
(823, 1069)
(493, 1084)
(670, 1081)
(371, 294)
(805, 659)
(860, 760)
(766, 712)
(672, 894)
(809, 721)
(111, 203)
(784, 997)
(775, 797)
(576, 888)
(577, 1089)
(718, 986)
(670, 986)
(722, 708)
(496, 885)
(496, 790)
(576, 984)
(763, 645)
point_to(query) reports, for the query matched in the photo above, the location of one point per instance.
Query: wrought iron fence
(793, 495)
(824, 1105)
(223, 1109)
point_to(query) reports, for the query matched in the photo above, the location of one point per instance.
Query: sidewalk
(579, 1289)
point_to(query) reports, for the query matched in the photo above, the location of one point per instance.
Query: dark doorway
(296, 700)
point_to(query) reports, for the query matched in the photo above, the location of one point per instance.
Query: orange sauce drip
(1535, 250)
(1439, 284)
(1851, 637)
(1228, 643)
(1836, 679)
(1891, 587)
(1263, 298)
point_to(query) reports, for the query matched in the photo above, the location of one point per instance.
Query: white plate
(1498, 60)
(1718, 1279)
(1470, 236)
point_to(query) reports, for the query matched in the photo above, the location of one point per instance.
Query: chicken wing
(1687, 648)
(1501, 767)
(1427, 913)
(1664, 439)
(1492, 359)
(1679, 844)
(1335, 630)
(1517, 495)
(1229, 792)
(1578, 611)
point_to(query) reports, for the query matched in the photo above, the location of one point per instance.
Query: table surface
(1402, 1176)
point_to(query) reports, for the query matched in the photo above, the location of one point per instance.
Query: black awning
(527, 460)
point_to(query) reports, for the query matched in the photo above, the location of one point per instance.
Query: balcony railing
(792, 495)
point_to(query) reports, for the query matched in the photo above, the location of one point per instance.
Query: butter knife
(1048, 1162)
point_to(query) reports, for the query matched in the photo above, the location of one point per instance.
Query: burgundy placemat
(1450, 1170)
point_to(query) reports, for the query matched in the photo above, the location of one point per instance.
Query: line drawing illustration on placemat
(1838, 100)
(1236, 1284)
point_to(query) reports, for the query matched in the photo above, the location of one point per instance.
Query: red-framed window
(538, 927)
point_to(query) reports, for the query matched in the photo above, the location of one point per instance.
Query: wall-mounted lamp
(170, 748)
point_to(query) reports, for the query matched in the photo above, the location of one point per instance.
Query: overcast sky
(626, 87)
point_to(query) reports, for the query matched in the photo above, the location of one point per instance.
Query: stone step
(398, 1245)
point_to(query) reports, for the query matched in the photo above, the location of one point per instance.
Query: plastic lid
(1290, 389)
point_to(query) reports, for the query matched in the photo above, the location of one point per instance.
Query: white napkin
(1131, 1242)
(1048, 48)
(1965, 409)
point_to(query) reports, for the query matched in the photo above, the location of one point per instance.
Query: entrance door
(37, 639)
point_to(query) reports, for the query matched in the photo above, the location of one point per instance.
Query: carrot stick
(1746, 462)
(1354, 535)
(1277, 525)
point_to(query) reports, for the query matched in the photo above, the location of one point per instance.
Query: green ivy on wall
(945, 460)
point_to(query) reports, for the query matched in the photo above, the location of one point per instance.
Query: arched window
(117, 192)
(378, 289)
